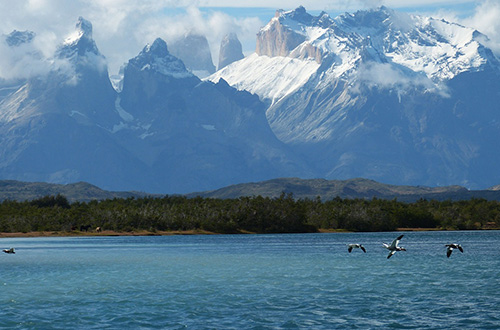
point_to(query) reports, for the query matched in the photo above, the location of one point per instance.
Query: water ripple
(251, 282)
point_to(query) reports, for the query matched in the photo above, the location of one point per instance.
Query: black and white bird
(450, 247)
(393, 248)
(11, 250)
(355, 246)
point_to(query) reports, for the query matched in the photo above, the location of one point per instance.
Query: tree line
(245, 214)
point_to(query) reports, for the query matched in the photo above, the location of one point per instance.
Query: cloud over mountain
(386, 95)
(124, 26)
(375, 93)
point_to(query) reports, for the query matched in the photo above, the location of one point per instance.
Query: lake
(285, 281)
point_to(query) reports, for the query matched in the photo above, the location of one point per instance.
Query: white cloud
(337, 5)
(21, 62)
(486, 20)
(123, 27)
(387, 76)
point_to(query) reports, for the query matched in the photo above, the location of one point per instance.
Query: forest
(257, 214)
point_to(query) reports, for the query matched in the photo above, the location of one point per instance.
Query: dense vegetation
(246, 214)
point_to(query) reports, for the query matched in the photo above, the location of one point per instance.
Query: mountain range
(298, 188)
(75, 192)
(379, 94)
(347, 189)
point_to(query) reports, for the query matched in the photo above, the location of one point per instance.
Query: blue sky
(460, 8)
(123, 27)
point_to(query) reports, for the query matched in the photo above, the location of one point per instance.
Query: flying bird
(450, 247)
(393, 248)
(11, 250)
(355, 246)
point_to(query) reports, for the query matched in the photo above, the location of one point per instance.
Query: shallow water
(298, 281)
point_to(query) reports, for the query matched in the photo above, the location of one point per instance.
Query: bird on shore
(450, 247)
(393, 248)
(355, 246)
(11, 250)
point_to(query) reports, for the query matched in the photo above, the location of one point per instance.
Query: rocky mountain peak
(193, 49)
(84, 27)
(289, 34)
(159, 47)
(421, 91)
(230, 50)
(277, 39)
(80, 42)
(299, 15)
(377, 19)
(17, 38)
(156, 58)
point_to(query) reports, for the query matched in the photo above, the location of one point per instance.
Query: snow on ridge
(448, 49)
(437, 48)
(10, 110)
(295, 25)
(83, 29)
(73, 38)
(269, 77)
(157, 58)
(167, 67)
(429, 50)
(171, 68)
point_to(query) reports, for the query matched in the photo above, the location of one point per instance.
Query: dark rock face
(194, 51)
(230, 51)
(357, 114)
(165, 132)
(197, 134)
(16, 38)
(57, 128)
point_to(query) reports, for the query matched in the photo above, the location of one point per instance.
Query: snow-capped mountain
(196, 134)
(56, 126)
(379, 94)
(166, 131)
(431, 50)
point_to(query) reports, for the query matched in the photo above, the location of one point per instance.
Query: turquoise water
(298, 281)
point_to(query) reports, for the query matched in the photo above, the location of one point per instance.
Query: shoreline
(104, 233)
(178, 232)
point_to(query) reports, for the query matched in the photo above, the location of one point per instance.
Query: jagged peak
(231, 36)
(301, 16)
(376, 18)
(80, 42)
(230, 50)
(83, 29)
(194, 51)
(155, 57)
(158, 47)
(17, 38)
(191, 35)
